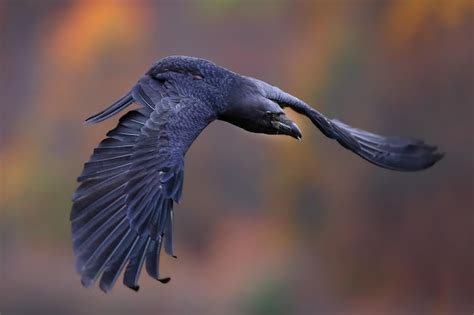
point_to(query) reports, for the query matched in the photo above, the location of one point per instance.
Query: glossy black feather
(118, 263)
(153, 257)
(134, 267)
(112, 109)
(122, 213)
(399, 154)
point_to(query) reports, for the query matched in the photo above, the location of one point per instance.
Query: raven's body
(122, 213)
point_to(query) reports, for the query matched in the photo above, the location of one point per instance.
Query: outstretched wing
(123, 208)
(400, 154)
(389, 152)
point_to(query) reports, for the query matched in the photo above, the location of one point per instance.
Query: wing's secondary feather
(122, 211)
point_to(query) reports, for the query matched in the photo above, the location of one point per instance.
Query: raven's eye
(272, 114)
(269, 115)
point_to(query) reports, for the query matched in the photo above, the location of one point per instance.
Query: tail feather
(112, 109)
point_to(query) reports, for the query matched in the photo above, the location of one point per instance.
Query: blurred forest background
(268, 225)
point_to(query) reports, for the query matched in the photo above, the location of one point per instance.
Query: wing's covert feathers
(122, 210)
(122, 213)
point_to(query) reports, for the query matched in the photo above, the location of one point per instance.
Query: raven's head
(279, 123)
(249, 109)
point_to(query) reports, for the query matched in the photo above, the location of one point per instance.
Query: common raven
(122, 211)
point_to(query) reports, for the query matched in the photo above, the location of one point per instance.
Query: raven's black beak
(287, 127)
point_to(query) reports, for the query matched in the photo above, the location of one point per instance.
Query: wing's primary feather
(389, 152)
(122, 211)
(401, 154)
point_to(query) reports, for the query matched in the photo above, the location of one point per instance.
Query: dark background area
(267, 225)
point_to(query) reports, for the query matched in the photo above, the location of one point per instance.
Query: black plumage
(122, 213)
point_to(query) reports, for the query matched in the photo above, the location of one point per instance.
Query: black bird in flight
(122, 211)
